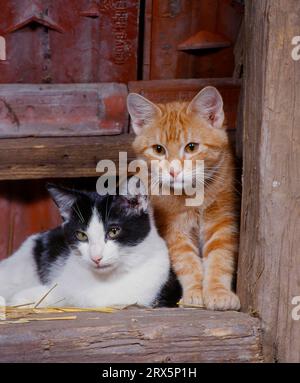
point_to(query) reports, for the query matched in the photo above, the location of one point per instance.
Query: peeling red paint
(66, 41)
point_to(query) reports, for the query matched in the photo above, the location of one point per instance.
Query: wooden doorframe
(269, 260)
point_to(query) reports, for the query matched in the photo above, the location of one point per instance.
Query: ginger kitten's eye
(113, 232)
(81, 236)
(191, 147)
(159, 149)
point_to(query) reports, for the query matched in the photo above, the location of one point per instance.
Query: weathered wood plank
(63, 110)
(269, 273)
(28, 158)
(160, 335)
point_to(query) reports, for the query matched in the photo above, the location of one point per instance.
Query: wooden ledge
(136, 335)
(68, 157)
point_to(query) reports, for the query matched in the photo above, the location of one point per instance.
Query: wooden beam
(159, 335)
(62, 110)
(28, 158)
(269, 273)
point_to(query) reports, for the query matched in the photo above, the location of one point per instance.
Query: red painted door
(67, 41)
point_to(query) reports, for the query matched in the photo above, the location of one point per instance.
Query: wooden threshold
(68, 157)
(136, 335)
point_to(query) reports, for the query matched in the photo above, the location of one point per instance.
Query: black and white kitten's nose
(97, 260)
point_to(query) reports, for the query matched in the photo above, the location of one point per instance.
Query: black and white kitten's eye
(113, 232)
(81, 236)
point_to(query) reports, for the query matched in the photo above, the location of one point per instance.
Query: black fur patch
(170, 294)
(49, 247)
(52, 248)
(134, 223)
(55, 244)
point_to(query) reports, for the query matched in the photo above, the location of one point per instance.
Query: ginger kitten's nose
(174, 173)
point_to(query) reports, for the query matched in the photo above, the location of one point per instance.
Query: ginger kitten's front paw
(192, 297)
(221, 299)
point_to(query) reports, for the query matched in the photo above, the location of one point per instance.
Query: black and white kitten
(107, 252)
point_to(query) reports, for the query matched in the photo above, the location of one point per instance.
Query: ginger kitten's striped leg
(219, 257)
(187, 266)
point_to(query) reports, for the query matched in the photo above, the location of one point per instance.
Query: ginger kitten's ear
(141, 111)
(208, 104)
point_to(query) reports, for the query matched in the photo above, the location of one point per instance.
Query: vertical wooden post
(269, 263)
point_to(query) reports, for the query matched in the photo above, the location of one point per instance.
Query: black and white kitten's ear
(134, 194)
(142, 111)
(208, 104)
(63, 198)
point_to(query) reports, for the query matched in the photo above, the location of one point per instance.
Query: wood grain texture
(173, 22)
(83, 42)
(160, 335)
(269, 273)
(239, 52)
(28, 158)
(62, 110)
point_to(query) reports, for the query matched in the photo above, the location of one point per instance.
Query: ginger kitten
(202, 240)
